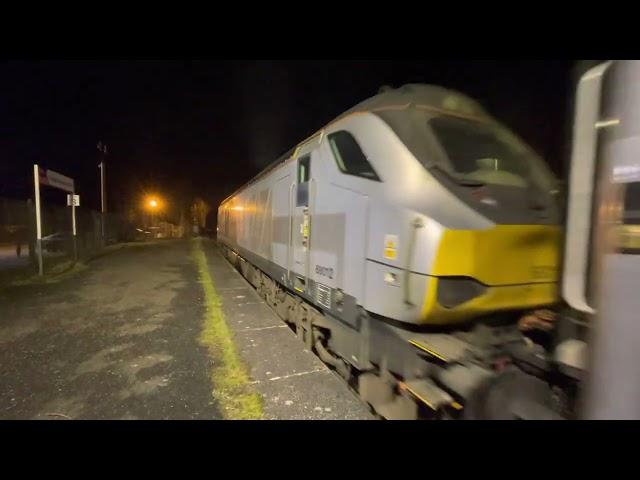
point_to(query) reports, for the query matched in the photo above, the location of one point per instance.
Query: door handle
(416, 224)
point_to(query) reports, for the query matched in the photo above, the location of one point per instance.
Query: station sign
(55, 180)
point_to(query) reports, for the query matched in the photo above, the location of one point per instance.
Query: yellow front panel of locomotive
(518, 264)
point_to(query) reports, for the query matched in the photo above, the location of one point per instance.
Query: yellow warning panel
(390, 247)
(628, 237)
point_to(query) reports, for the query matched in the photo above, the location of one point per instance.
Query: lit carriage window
(350, 157)
(632, 204)
(629, 230)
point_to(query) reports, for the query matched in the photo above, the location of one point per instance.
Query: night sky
(202, 128)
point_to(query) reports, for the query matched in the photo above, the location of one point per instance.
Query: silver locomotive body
(373, 212)
(392, 241)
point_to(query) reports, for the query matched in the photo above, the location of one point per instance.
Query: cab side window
(304, 174)
(349, 156)
(303, 169)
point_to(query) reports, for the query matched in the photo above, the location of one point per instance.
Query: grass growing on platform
(232, 389)
(54, 273)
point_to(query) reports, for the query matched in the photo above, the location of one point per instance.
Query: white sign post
(73, 201)
(36, 182)
(56, 180)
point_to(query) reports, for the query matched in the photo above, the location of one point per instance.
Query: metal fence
(18, 234)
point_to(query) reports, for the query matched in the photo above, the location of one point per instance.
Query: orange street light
(153, 203)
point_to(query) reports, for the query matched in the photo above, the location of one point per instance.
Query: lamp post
(153, 205)
(103, 194)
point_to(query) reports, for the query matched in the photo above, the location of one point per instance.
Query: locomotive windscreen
(469, 154)
(488, 153)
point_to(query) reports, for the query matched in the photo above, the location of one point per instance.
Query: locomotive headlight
(454, 291)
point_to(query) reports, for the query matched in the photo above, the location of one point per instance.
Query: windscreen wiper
(465, 182)
(469, 182)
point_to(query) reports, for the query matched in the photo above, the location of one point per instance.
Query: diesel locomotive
(403, 242)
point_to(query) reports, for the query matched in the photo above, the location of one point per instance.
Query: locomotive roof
(422, 95)
(432, 96)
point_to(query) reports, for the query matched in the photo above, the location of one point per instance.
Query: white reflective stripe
(583, 161)
(608, 123)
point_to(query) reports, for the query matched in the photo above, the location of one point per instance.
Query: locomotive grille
(323, 295)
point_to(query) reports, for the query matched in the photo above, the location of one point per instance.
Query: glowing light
(153, 203)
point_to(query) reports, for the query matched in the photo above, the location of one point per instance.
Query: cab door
(301, 234)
